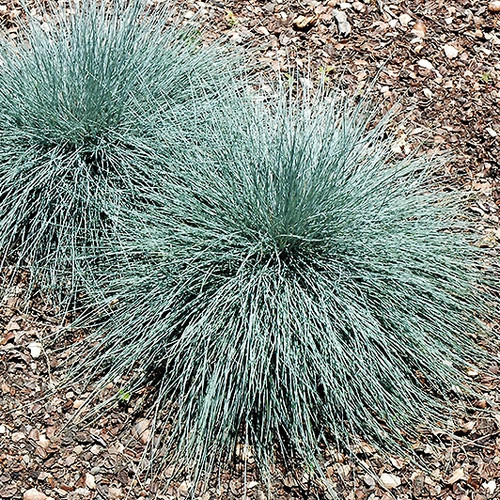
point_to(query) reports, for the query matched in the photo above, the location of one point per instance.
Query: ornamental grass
(85, 91)
(294, 286)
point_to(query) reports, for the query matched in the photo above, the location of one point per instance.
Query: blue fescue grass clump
(82, 98)
(295, 286)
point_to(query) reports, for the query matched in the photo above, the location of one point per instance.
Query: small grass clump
(84, 95)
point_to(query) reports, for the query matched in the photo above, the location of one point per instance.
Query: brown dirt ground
(441, 61)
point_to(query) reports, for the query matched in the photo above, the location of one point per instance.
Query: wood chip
(304, 23)
(18, 436)
(7, 337)
(419, 29)
(115, 493)
(12, 326)
(456, 476)
(141, 431)
(342, 22)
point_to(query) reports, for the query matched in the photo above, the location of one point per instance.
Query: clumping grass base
(297, 285)
(83, 98)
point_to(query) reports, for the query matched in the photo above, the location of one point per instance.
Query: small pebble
(404, 19)
(89, 481)
(96, 449)
(494, 6)
(450, 51)
(369, 481)
(35, 349)
(424, 63)
(34, 494)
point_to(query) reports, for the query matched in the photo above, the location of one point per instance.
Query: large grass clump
(296, 285)
(84, 93)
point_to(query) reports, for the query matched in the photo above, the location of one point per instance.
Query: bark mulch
(440, 61)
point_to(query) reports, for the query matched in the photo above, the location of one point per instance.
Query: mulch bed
(440, 61)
